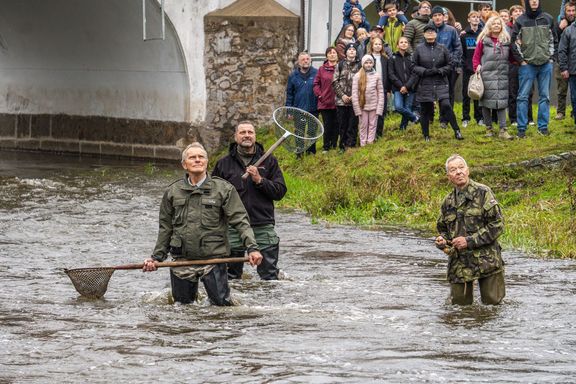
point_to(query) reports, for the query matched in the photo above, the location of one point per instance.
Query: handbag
(476, 86)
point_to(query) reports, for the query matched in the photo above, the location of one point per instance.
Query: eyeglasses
(424, 7)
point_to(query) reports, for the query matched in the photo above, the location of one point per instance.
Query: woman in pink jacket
(367, 99)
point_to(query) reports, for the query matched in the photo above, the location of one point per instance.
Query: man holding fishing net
(194, 217)
(264, 185)
(470, 223)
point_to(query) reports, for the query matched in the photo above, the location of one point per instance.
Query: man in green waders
(470, 223)
(194, 217)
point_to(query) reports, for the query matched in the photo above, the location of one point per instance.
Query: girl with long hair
(367, 99)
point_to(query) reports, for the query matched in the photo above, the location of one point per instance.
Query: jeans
(572, 83)
(543, 76)
(403, 105)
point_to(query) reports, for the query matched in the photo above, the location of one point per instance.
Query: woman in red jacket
(327, 98)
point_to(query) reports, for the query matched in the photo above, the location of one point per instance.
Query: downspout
(302, 25)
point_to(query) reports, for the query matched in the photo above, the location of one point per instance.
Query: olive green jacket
(194, 220)
(476, 216)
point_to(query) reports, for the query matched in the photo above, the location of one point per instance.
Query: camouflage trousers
(492, 290)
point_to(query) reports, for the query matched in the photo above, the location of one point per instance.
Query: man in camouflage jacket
(194, 217)
(469, 225)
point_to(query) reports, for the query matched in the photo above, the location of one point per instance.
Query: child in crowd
(400, 69)
(345, 37)
(468, 40)
(401, 8)
(349, 5)
(394, 27)
(361, 41)
(381, 52)
(367, 99)
(505, 15)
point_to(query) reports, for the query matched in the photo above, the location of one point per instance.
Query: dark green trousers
(492, 290)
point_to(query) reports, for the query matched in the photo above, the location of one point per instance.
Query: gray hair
(243, 122)
(453, 157)
(194, 145)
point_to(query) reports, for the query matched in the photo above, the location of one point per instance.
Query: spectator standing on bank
(300, 89)
(347, 9)
(342, 83)
(468, 40)
(432, 64)
(491, 58)
(327, 99)
(567, 61)
(394, 28)
(485, 10)
(400, 68)
(448, 37)
(414, 30)
(381, 53)
(345, 38)
(401, 7)
(359, 20)
(567, 20)
(534, 36)
(361, 41)
(367, 99)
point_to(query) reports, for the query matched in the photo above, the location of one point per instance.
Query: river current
(354, 306)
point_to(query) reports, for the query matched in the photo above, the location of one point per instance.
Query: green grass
(400, 180)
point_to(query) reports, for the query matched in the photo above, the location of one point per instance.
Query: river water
(355, 306)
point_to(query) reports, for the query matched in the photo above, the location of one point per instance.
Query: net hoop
(293, 111)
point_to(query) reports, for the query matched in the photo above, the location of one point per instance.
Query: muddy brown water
(356, 306)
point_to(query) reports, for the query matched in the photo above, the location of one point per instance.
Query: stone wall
(247, 62)
(95, 135)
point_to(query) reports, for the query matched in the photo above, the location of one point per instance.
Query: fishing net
(90, 282)
(297, 128)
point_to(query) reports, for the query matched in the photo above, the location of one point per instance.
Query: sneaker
(464, 123)
(521, 135)
(443, 125)
(559, 116)
(458, 135)
(544, 132)
(481, 123)
(324, 152)
(531, 123)
(514, 124)
(427, 139)
(504, 135)
(489, 133)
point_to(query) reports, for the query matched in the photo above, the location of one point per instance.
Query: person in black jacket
(264, 185)
(400, 68)
(469, 40)
(432, 64)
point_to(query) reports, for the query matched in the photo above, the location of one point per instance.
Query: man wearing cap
(414, 30)
(448, 37)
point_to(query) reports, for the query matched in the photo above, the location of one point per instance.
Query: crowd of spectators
(411, 59)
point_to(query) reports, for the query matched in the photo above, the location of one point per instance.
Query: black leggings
(427, 110)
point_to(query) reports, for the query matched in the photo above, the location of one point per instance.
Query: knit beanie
(366, 58)
(437, 9)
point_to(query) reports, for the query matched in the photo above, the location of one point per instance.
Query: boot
(489, 132)
(504, 135)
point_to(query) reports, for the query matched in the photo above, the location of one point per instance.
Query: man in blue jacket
(300, 89)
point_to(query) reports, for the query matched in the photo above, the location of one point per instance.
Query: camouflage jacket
(475, 215)
(194, 220)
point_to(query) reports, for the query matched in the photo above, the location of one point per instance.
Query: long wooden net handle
(184, 263)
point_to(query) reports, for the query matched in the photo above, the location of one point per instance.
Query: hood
(529, 12)
(327, 66)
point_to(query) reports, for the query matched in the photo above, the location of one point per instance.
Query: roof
(253, 8)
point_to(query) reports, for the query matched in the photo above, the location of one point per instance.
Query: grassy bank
(400, 180)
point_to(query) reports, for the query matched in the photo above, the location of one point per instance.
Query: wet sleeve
(493, 224)
(165, 229)
(238, 218)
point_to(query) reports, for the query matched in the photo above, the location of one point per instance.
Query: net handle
(268, 152)
(184, 263)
